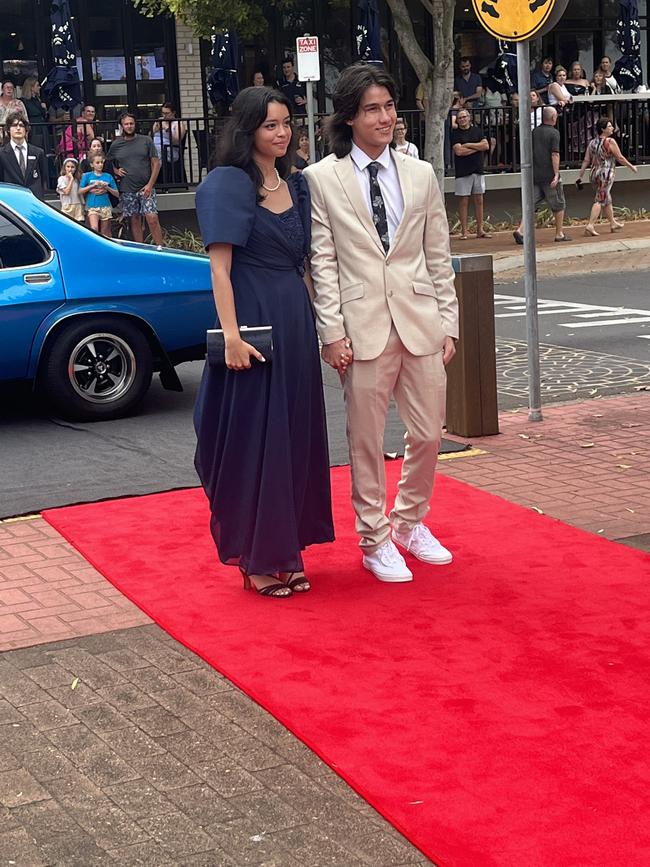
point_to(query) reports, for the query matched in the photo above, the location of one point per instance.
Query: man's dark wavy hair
(235, 145)
(12, 117)
(350, 87)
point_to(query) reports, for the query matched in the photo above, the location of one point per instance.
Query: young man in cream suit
(386, 311)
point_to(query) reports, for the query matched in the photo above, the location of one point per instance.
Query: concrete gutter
(504, 261)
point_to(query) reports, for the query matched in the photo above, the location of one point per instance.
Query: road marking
(603, 322)
(541, 312)
(599, 315)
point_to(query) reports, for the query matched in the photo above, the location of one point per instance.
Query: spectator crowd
(95, 168)
(43, 149)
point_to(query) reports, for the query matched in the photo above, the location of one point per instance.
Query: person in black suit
(22, 163)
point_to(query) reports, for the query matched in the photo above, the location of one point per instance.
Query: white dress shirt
(17, 155)
(536, 116)
(388, 184)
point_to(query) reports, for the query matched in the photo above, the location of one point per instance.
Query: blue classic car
(88, 319)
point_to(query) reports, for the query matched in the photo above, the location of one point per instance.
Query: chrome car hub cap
(101, 368)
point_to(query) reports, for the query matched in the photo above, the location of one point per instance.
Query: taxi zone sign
(517, 20)
(308, 59)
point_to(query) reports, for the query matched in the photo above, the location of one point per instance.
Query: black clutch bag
(261, 337)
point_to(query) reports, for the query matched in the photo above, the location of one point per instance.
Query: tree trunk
(441, 86)
(436, 77)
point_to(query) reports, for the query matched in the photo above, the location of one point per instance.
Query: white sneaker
(387, 564)
(421, 542)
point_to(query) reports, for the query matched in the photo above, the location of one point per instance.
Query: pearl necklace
(277, 186)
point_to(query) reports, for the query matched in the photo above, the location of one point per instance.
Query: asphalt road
(594, 333)
(601, 313)
(47, 462)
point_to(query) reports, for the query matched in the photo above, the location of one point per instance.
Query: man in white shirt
(386, 311)
(22, 163)
(535, 110)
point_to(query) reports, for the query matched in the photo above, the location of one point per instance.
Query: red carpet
(495, 711)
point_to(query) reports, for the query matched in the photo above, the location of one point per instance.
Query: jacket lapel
(405, 182)
(348, 180)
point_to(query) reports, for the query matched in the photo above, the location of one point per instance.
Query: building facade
(128, 60)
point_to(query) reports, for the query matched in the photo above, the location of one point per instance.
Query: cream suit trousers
(418, 384)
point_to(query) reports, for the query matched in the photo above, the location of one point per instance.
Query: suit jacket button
(390, 293)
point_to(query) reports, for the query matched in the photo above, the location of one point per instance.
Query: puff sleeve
(225, 207)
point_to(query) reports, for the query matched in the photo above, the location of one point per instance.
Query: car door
(30, 287)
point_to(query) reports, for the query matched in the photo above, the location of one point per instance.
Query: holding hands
(339, 354)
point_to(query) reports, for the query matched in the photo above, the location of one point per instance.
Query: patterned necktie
(21, 160)
(378, 207)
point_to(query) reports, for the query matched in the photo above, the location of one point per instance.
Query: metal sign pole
(528, 223)
(311, 122)
(308, 58)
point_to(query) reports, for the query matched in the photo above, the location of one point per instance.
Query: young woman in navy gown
(262, 440)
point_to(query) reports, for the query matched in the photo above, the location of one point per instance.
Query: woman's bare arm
(616, 151)
(585, 163)
(308, 280)
(238, 352)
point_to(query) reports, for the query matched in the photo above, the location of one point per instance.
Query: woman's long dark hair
(235, 145)
(350, 87)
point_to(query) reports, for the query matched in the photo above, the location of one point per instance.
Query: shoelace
(420, 534)
(387, 554)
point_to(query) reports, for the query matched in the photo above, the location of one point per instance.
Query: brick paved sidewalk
(117, 745)
(587, 463)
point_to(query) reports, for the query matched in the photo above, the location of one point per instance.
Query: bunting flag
(62, 88)
(368, 32)
(627, 69)
(223, 81)
(505, 68)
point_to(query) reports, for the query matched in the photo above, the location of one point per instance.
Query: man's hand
(339, 354)
(120, 173)
(448, 350)
(146, 191)
(555, 181)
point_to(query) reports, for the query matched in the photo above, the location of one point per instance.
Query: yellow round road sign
(516, 20)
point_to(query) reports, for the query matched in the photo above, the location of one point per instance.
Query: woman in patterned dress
(601, 157)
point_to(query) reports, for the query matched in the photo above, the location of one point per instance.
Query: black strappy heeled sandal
(299, 584)
(275, 591)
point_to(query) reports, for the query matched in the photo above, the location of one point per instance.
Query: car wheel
(97, 368)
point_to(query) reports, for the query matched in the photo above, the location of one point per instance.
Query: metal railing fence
(184, 165)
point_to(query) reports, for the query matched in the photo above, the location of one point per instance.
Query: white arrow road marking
(604, 322)
(599, 315)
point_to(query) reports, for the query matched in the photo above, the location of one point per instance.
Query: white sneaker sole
(443, 561)
(385, 577)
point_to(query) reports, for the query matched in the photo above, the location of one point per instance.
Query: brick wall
(189, 71)
(189, 80)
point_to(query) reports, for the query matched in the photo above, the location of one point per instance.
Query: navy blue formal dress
(262, 439)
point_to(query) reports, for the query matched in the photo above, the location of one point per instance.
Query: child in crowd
(97, 186)
(96, 146)
(67, 187)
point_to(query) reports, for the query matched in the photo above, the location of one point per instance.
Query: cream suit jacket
(360, 291)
